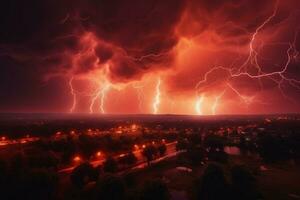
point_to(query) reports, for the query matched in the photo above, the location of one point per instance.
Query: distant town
(174, 157)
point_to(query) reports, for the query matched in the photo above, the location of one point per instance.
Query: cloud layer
(45, 43)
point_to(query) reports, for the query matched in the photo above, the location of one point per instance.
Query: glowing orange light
(198, 105)
(216, 102)
(157, 97)
(136, 146)
(77, 159)
(133, 126)
(144, 146)
(3, 138)
(103, 93)
(98, 153)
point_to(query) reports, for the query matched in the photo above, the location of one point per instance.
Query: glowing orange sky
(206, 58)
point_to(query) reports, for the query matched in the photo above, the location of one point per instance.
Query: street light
(77, 159)
(136, 146)
(98, 154)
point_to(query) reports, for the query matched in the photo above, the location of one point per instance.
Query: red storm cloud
(174, 56)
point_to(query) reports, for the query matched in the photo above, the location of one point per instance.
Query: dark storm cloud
(39, 38)
(140, 27)
(104, 53)
(45, 30)
(39, 30)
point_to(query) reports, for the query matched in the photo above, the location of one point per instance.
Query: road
(141, 161)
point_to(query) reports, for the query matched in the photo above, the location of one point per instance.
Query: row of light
(99, 153)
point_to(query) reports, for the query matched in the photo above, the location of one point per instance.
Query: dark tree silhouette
(215, 147)
(39, 184)
(110, 188)
(162, 148)
(212, 185)
(243, 184)
(195, 155)
(130, 179)
(43, 160)
(110, 165)
(3, 179)
(195, 139)
(155, 190)
(214, 142)
(83, 173)
(128, 159)
(149, 153)
(273, 148)
(181, 145)
(88, 146)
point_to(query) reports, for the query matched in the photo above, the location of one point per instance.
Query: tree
(273, 148)
(149, 152)
(294, 144)
(83, 173)
(130, 179)
(162, 148)
(218, 156)
(243, 184)
(110, 165)
(195, 139)
(3, 178)
(215, 146)
(212, 185)
(39, 184)
(43, 160)
(87, 145)
(195, 155)
(110, 188)
(128, 159)
(155, 190)
(214, 143)
(181, 145)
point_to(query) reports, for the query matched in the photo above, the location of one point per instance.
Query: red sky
(166, 57)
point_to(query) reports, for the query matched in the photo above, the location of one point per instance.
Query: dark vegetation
(31, 171)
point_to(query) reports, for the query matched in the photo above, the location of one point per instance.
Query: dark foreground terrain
(145, 157)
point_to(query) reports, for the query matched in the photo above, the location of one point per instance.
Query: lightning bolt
(157, 97)
(216, 102)
(102, 98)
(246, 99)
(72, 91)
(252, 60)
(198, 104)
(151, 56)
(100, 94)
(94, 98)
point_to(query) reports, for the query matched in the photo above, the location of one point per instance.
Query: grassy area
(277, 182)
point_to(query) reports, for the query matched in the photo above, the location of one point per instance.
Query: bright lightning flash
(73, 94)
(198, 105)
(101, 93)
(216, 102)
(252, 61)
(156, 102)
